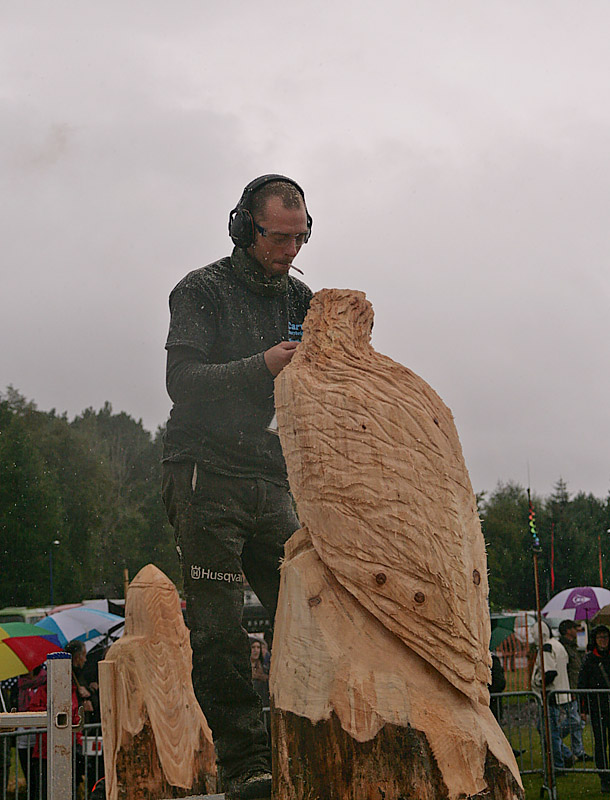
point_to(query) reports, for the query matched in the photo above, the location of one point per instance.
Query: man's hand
(277, 357)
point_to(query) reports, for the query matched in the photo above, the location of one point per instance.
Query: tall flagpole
(553, 557)
(536, 550)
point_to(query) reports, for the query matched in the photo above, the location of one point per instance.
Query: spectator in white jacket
(554, 672)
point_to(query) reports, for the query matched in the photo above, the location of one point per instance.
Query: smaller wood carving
(157, 743)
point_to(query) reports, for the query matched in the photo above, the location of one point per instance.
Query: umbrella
(501, 629)
(603, 616)
(521, 624)
(583, 602)
(23, 647)
(86, 624)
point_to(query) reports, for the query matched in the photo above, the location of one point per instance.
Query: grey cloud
(455, 165)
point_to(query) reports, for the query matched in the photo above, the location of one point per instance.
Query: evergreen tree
(30, 513)
(504, 520)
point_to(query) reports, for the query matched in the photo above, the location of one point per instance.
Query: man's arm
(189, 377)
(194, 328)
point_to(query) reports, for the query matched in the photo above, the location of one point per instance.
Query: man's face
(275, 251)
(80, 659)
(571, 634)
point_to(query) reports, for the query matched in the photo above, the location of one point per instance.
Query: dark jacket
(497, 685)
(498, 677)
(595, 674)
(575, 658)
(223, 318)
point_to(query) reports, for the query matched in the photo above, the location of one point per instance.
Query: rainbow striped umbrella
(23, 647)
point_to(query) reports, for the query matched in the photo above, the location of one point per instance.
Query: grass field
(569, 787)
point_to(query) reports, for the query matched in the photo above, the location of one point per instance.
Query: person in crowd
(553, 669)
(572, 723)
(267, 644)
(595, 675)
(266, 656)
(78, 651)
(26, 687)
(260, 676)
(39, 703)
(497, 686)
(235, 324)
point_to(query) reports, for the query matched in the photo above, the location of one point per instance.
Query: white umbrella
(89, 625)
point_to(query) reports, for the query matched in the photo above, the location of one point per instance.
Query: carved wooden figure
(380, 660)
(157, 743)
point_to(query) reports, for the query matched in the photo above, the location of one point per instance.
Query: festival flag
(532, 521)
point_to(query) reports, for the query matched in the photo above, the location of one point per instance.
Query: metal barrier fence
(519, 713)
(520, 716)
(21, 773)
(577, 745)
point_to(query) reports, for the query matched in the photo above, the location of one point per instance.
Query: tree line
(573, 531)
(93, 484)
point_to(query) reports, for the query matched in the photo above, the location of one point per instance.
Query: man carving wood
(235, 324)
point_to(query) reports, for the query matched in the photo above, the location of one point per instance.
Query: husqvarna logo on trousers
(202, 574)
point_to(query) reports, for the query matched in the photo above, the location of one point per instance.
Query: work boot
(250, 787)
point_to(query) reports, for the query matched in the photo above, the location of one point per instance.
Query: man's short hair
(287, 192)
(566, 625)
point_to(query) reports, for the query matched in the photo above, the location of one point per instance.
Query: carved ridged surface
(151, 685)
(377, 471)
(331, 657)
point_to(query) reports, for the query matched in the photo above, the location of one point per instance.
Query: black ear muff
(241, 227)
(241, 224)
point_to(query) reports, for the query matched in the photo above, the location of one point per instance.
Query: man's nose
(291, 247)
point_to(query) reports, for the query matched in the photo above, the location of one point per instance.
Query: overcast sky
(455, 158)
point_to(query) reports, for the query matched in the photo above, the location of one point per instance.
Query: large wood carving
(157, 743)
(380, 660)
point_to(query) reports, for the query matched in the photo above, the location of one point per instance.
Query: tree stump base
(319, 762)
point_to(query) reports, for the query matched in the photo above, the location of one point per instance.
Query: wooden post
(157, 743)
(59, 726)
(380, 656)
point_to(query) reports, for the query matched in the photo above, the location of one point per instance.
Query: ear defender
(241, 227)
(241, 223)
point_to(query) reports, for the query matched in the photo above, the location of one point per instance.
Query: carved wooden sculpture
(380, 661)
(157, 743)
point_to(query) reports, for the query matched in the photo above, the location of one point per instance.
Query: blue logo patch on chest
(295, 331)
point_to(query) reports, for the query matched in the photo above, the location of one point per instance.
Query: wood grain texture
(157, 743)
(377, 471)
(382, 629)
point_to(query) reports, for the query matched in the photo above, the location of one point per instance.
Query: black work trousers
(225, 525)
(600, 723)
